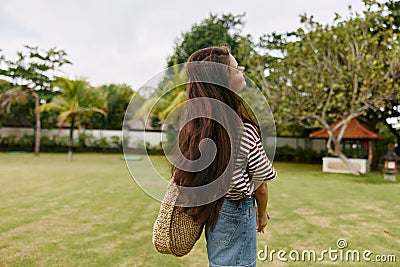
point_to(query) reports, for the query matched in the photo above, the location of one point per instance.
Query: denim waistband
(238, 204)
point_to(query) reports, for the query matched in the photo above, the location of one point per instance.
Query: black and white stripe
(251, 154)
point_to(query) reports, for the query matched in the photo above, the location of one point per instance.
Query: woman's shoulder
(251, 131)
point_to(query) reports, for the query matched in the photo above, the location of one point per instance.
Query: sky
(129, 41)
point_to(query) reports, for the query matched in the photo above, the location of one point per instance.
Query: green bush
(116, 141)
(27, 141)
(62, 140)
(12, 143)
(285, 153)
(154, 150)
(301, 155)
(308, 155)
(85, 139)
(10, 140)
(101, 143)
(172, 135)
(85, 143)
(46, 141)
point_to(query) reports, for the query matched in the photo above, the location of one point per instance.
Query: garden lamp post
(390, 166)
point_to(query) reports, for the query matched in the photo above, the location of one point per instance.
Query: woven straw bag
(174, 231)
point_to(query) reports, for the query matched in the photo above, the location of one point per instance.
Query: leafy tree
(75, 103)
(223, 30)
(390, 110)
(170, 93)
(118, 99)
(16, 98)
(4, 86)
(255, 56)
(328, 73)
(32, 73)
(212, 31)
(394, 12)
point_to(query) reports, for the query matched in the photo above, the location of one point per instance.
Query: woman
(232, 219)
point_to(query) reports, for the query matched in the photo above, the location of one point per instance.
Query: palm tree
(20, 94)
(170, 94)
(75, 103)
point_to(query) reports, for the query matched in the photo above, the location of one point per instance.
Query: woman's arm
(260, 170)
(261, 195)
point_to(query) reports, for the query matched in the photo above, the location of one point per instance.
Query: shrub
(85, 139)
(116, 141)
(285, 153)
(46, 141)
(85, 143)
(154, 150)
(26, 141)
(10, 140)
(101, 143)
(303, 155)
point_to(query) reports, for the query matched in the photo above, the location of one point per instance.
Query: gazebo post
(370, 153)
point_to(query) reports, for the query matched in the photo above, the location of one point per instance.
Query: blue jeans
(233, 240)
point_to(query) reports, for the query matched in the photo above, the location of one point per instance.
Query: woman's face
(237, 81)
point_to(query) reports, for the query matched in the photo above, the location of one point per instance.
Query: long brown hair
(200, 128)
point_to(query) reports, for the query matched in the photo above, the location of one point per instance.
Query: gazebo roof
(355, 130)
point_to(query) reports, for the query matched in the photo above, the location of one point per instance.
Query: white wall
(153, 138)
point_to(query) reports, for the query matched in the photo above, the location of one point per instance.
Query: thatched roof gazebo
(356, 145)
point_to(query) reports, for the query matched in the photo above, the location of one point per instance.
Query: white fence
(134, 137)
(301, 142)
(153, 138)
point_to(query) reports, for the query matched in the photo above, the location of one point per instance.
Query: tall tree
(257, 59)
(338, 72)
(8, 99)
(394, 12)
(119, 96)
(31, 73)
(214, 30)
(75, 103)
(389, 113)
(170, 93)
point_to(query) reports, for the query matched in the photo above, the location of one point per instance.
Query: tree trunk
(370, 154)
(38, 124)
(335, 151)
(348, 163)
(71, 139)
(373, 150)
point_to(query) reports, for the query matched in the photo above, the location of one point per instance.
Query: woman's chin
(243, 86)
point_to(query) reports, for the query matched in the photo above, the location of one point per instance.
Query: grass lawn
(90, 212)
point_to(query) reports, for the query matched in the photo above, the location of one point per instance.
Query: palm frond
(76, 99)
(179, 99)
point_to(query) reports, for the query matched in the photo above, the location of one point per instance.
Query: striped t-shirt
(251, 160)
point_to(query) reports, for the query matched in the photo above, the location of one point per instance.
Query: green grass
(90, 212)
